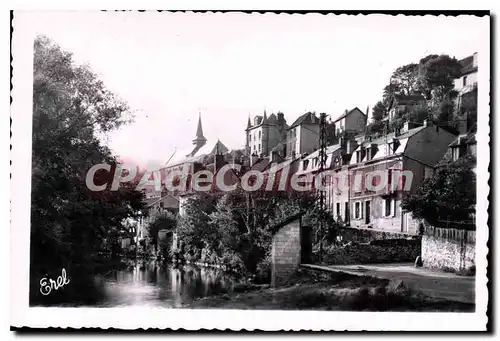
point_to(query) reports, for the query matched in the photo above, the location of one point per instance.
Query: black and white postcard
(244, 170)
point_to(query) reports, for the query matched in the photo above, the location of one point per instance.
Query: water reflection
(149, 284)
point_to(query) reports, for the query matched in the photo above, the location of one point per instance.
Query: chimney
(406, 127)
(253, 160)
(350, 147)
(281, 117)
(273, 156)
(474, 59)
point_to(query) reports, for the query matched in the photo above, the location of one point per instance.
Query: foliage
(437, 75)
(379, 111)
(375, 128)
(449, 194)
(404, 81)
(71, 226)
(161, 221)
(236, 229)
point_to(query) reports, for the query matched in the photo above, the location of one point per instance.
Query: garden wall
(448, 248)
(361, 235)
(376, 251)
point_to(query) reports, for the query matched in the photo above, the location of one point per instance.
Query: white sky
(170, 66)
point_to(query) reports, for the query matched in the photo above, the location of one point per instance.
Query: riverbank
(342, 292)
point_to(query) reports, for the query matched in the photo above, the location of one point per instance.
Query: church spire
(249, 124)
(199, 140)
(264, 120)
(199, 130)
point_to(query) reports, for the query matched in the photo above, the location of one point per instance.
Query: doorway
(367, 212)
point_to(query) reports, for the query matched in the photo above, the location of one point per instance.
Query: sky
(171, 67)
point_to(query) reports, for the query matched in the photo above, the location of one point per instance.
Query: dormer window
(358, 156)
(393, 146)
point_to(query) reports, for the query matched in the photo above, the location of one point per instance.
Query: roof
(382, 147)
(168, 199)
(346, 113)
(409, 99)
(287, 221)
(181, 156)
(261, 165)
(464, 139)
(468, 65)
(307, 118)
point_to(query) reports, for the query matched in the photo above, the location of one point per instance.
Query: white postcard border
(133, 318)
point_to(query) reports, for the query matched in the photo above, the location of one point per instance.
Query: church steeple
(199, 140)
(249, 124)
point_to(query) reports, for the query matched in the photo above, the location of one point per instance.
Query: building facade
(302, 136)
(352, 121)
(383, 170)
(264, 133)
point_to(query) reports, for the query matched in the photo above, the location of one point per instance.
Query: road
(430, 282)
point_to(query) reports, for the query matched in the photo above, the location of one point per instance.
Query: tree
(406, 77)
(379, 111)
(71, 226)
(161, 221)
(449, 194)
(375, 128)
(437, 75)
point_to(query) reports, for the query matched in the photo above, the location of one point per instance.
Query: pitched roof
(307, 118)
(408, 99)
(468, 65)
(346, 113)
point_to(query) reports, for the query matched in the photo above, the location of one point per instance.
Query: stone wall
(286, 252)
(376, 251)
(448, 248)
(361, 235)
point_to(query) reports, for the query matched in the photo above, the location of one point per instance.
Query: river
(152, 285)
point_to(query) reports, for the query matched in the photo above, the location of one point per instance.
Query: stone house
(353, 121)
(264, 133)
(302, 136)
(468, 76)
(382, 170)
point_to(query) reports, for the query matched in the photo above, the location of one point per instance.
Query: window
(162, 205)
(457, 152)
(259, 147)
(259, 134)
(464, 81)
(358, 156)
(338, 210)
(357, 209)
(387, 209)
(305, 164)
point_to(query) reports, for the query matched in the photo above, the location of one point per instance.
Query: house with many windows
(264, 133)
(383, 169)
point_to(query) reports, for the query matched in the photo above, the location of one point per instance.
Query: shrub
(263, 272)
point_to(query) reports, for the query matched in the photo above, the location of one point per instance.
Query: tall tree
(406, 77)
(71, 226)
(450, 194)
(437, 75)
(379, 111)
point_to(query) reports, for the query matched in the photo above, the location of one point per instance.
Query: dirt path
(432, 283)
(333, 291)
